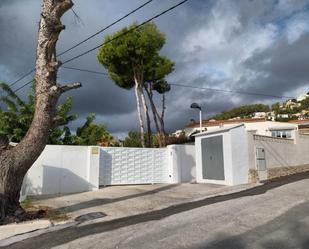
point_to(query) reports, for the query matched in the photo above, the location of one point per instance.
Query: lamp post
(197, 106)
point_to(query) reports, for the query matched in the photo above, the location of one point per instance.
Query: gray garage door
(212, 158)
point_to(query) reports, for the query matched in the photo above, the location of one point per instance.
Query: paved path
(275, 215)
(122, 201)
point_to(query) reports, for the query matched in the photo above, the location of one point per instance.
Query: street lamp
(197, 106)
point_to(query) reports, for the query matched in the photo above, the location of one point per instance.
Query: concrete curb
(34, 233)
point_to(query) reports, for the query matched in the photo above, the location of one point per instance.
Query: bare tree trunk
(146, 112)
(162, 119)
(154, 113)
(16, 161)
(163, 113)
(140, 116)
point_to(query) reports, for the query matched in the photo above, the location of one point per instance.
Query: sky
(258, 46)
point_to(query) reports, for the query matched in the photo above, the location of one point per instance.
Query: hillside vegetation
(292, 109)
(245, 111)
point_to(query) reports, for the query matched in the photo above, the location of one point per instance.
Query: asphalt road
(275, 215)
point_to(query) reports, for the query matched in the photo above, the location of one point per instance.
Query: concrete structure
(63, 169)
(222, 157)
(274, 157)
(237, 154)
(182, 163)
(71, 169)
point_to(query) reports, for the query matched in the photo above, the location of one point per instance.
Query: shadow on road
(102, 201)
(56, 238)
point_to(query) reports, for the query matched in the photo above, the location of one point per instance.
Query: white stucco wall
(240, 156)
(182, 164)
(63, 169)
(261, 128)
(280, 152)
(235, 156)
(264, 128)
(70, 169)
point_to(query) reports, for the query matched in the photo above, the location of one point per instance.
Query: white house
(259, 126)
(302, 97)
(259, 115)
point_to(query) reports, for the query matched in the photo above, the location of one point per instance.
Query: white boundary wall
(280, 152)
(182, 164)
(70, 169)
(63, 169)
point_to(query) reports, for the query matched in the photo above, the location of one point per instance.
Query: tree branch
(63, 6)
(69, 87)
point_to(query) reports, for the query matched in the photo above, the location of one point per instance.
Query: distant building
(283, 115)
(271, 116)
(302, 97)
(303, 126)
(259, 126)
(292, 103)
(259, 115)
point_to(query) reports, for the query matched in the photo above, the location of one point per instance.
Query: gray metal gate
(212, 158)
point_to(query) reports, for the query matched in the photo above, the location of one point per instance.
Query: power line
(26, 84)
(84, 70)
(107, 27)
(130, 30)
(196, 87)
(231, 91)
(125, 33)
(71, 68)
(87, 39)
(22, 77)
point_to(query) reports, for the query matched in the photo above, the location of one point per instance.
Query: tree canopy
(91, 134)
(133, 52)
(16, 116)
(132, 59)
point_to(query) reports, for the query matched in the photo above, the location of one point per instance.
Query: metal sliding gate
(121, 165)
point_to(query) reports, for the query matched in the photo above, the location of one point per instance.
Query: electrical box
(260, 159)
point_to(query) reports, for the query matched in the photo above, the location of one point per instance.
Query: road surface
(275, 215)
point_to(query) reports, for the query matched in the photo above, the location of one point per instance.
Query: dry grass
(43, 212)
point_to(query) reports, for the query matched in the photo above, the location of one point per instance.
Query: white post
(200, 120)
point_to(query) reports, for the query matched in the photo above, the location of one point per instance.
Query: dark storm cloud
(282, 68)
(256, 46)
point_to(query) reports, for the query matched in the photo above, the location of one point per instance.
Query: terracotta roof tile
(207, 123)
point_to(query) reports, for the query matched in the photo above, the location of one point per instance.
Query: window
(282, 134)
